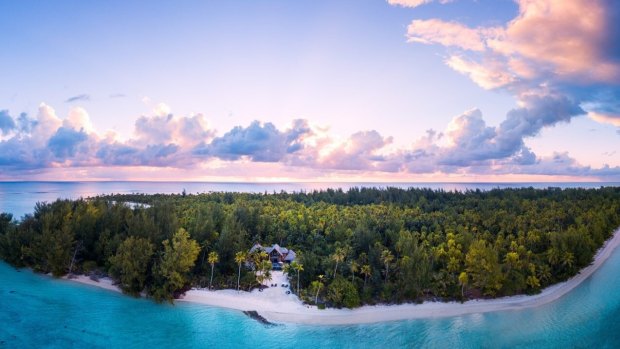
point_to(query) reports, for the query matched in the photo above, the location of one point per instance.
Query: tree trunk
(335, 269)
(365, 277)
(298, 282)
(211, 281)
(387, 269)
(316, 298)
(73, 259)
(238, 277)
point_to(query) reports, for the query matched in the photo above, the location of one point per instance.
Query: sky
(316, 90)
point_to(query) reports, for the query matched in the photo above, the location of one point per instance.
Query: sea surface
(37, 311)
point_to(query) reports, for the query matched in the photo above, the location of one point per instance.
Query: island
(327, 257)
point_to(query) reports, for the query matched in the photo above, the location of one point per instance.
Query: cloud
(185, 131)
(44, 126)
(78, 98)
(117, 95)
(490, 75)
(568, 39)
(605, 118)
(6, 122)
(361, 151)
(559, 60)
(561, 164)
(435, 31)
(414, 3)
(550, 43)
(467, 146)
(258, 142)
(468, 141)
(63, 144)
(161, 109)
(78, 119)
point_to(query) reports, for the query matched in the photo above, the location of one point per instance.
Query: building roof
(290, 254)
(257, 247)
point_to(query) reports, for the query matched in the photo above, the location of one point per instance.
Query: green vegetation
(357, 247)
(130, 264)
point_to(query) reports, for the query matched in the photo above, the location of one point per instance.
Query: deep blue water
(38, 311)
(19, 198)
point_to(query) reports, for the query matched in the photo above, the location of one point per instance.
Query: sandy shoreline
(276, 306)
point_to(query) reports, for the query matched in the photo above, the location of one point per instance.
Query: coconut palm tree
(354, 267)
(338, 257)
(387, 257)
(463, 280)
(317, 285)
(366, 271)
(240, 257)
(264, 271)
(213, 258)
(298, 267)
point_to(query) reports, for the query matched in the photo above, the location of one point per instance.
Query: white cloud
(78, 119)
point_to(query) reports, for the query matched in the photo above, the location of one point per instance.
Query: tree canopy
(368, 245)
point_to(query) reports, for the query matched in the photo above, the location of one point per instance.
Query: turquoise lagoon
(38, 311)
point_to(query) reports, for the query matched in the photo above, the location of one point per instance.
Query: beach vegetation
(408, 245)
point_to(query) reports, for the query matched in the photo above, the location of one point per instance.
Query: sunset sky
(316, 90)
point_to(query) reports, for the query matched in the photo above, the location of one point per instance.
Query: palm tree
(338, 257)
(299, 268)
(264, 269)
(317, 284)
(568, 260)
(240, 257)
(463, 280)
(354, 267)
(213, 258)
(258, 256)
(287, 269)
(367, 271)
(387, 257)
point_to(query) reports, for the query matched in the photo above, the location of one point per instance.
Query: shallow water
(38, 311)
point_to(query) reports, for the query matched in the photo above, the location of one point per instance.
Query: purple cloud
(6, 122)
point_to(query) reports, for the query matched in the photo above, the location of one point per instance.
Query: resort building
(278, 255)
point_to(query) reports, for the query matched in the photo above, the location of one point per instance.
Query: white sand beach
(276, 306)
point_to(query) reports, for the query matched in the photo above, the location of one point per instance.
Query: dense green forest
(360, 246)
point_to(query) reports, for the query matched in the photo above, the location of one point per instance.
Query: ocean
(39, 311)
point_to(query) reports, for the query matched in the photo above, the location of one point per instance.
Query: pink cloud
(605, 118)
(435, 31)
(489, 75)
(549, 39)
(414, 3)
(568, 36)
